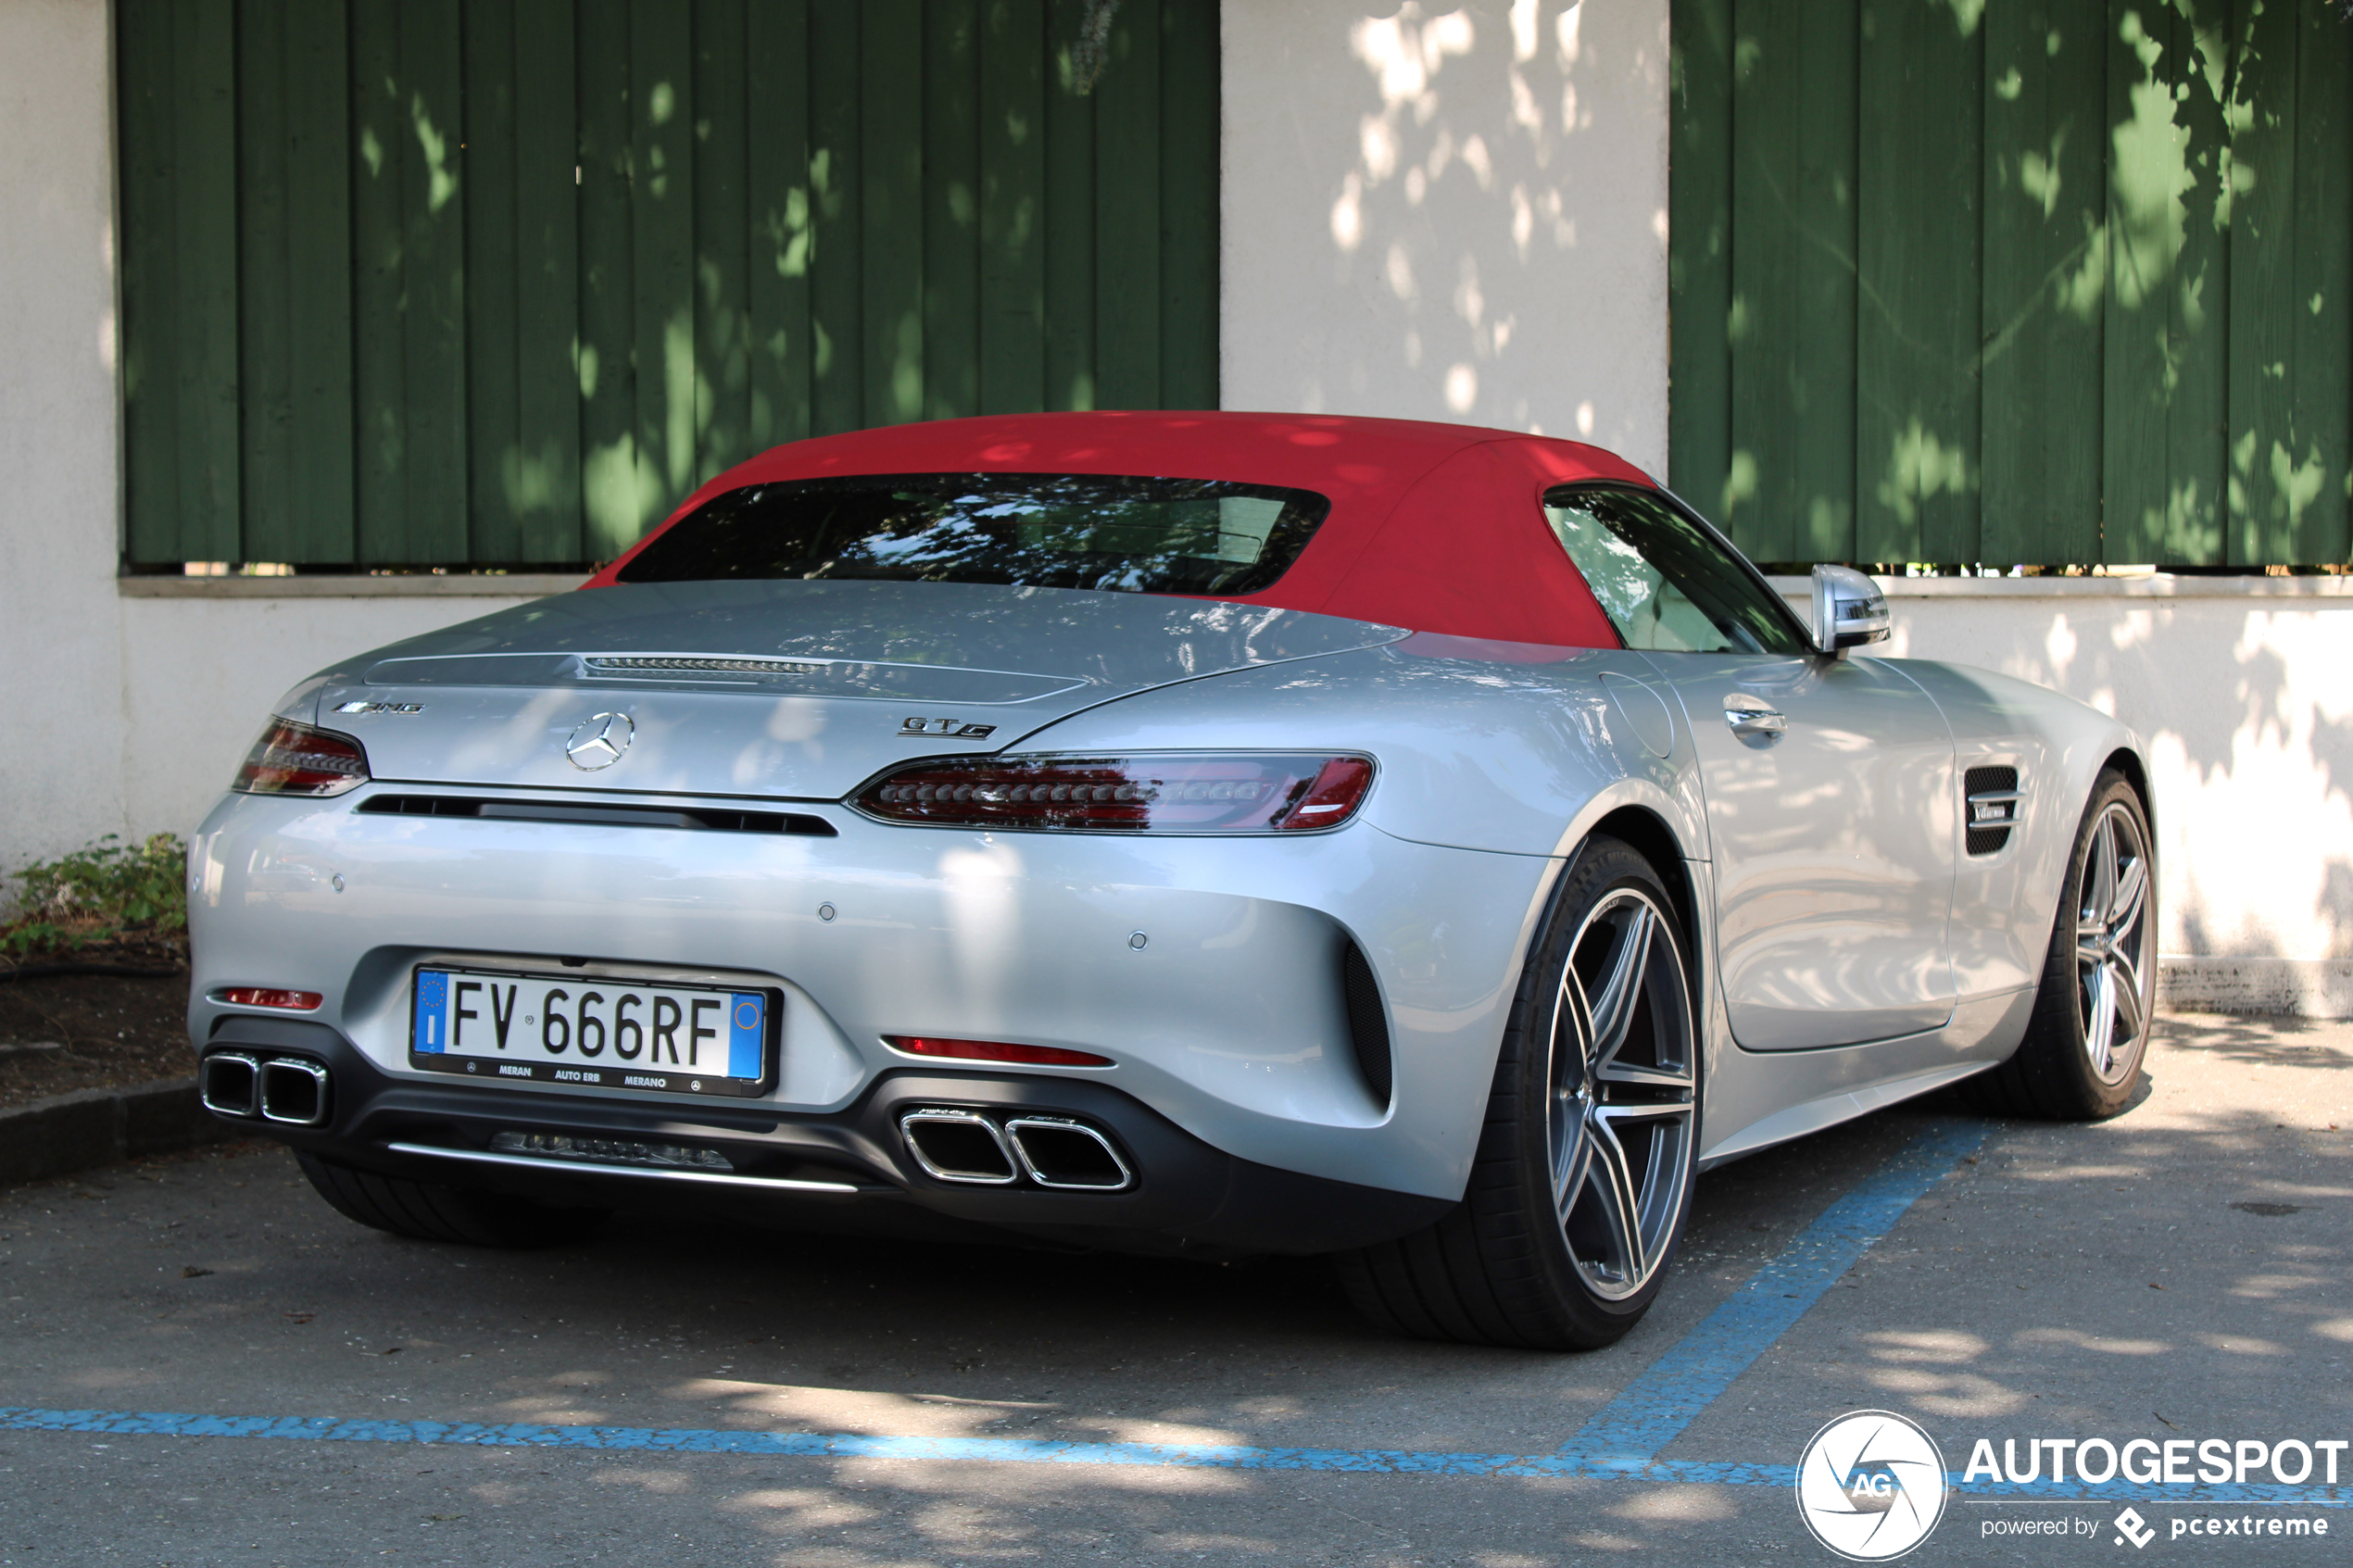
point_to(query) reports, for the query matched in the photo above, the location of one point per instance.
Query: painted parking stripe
(1015, 1451)
(1652, 1411)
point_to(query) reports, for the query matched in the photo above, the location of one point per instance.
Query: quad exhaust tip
(289, 1090)
(1057, 1152)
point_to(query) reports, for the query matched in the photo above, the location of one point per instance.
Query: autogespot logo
(1870, 1486)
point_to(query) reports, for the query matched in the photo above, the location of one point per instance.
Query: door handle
(1755, 721)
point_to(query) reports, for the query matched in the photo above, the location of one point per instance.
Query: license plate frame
(537, 1065)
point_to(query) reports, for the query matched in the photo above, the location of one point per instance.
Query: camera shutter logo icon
(1870, 1486)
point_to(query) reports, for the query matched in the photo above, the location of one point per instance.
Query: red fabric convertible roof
(1434, 527)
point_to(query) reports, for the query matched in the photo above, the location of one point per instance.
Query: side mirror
(1849, 611)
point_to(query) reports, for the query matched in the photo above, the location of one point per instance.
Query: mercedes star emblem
(600, 741)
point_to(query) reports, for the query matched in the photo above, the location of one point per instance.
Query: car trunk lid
(779, 689)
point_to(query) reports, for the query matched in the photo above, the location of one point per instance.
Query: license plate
(602, 1032)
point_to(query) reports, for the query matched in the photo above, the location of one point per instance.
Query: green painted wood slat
(776, 151)
(890, 135)
(836, 308)
(1127, 215)
(1189, 166)
(1699, 279)
(1070, 216)
(662, 120)
(2164, 417)
(610, 518)
(379, 366)
(950, 208)
(1791, 325)
(2045, 254)
(1012, 207)
(1918, 232)
(723, 240)
(493, 288)
(144, 91)
(541, 473)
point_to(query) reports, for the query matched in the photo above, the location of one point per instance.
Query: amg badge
(380, 708)
(955, 728)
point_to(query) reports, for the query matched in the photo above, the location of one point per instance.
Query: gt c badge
(954, 728)
(600, 741)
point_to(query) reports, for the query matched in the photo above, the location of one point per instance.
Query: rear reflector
(1235, 792)
(292, 759)
(993, 1050)
(262, 997)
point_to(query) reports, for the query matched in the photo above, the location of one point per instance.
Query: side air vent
(1992, 805)
(700, 819)
(1368, 1023)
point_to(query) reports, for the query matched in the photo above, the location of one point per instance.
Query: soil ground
(61, 1032)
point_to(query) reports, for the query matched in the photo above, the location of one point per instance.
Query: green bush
(103, 893)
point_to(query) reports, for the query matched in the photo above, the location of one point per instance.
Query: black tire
(2061, 1072)
(430, 1211)
(1508, 1266)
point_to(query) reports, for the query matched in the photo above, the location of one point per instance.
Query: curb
(73, 1132)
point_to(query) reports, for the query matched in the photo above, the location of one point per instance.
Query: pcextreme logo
(1870, 1486)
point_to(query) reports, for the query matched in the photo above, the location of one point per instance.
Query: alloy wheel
(2111, 941)
(1623, 1094)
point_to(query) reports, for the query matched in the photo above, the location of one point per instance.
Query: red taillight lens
(1268, 792)
(262, 997)
(292, 759)
(993, 1050)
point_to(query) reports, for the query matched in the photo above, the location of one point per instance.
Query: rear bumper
(1208, 970)
(845, 1170)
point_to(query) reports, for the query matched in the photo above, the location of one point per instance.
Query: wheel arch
(2129, 762)
(1648, 832)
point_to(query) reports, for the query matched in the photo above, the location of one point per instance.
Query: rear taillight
(292, 759)
(1265, 792)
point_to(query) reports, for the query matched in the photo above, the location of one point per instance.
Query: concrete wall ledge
(2297, 988)
(420, 586)
(2157, 585)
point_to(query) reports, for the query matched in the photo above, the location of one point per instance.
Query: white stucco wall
(61, 780)
(200, 675)
(1444, 212)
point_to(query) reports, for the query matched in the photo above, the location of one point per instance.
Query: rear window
(1044, 531)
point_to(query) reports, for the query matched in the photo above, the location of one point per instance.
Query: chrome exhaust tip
(959, 1145)
(1058, 1152)
(229, 1084)
(294, 1091)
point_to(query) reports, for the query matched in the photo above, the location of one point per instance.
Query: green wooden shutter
(2015, 281)
(497, 283)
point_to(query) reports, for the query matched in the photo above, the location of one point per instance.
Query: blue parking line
(1016, 1451)
(1652, 1411)
(1002, 1451)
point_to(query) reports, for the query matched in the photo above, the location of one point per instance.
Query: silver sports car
(1200, 834)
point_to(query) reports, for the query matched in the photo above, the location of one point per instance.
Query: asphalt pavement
(201, 1364)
